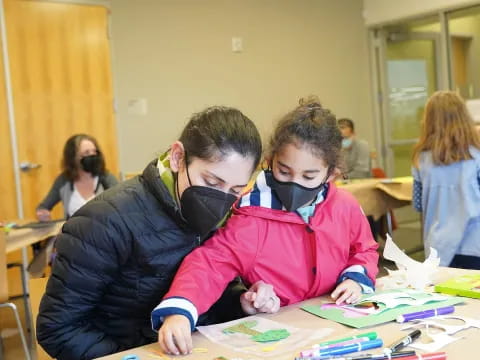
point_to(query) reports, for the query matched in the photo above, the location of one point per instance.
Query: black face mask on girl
(91, 164)
(202, 207)
(292, 195)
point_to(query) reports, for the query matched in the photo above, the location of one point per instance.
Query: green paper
(382, 317)
(271, 335)
(243, 328)
(465, 285)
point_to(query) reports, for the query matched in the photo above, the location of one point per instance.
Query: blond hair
(447, 130)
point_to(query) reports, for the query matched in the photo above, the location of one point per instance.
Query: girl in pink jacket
(294, 230)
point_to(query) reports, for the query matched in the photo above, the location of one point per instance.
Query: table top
(293, 315)
(18, 238)
(377, 196)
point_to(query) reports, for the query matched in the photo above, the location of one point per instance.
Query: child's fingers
(168, 343)
(179, 340)
(338, 290)
(187, 335)
(250, 296)
(345, 295)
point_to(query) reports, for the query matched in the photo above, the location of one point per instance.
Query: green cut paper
(271, 335)
(242, 328)
(380, 318)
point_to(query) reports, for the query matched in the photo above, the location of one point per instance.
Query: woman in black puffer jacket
(118, 254)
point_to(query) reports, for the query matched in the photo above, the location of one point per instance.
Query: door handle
(26, 166)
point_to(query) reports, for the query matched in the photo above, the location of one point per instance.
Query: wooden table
(293, 315)
(20, 239)
(17, 239)
(378, 196)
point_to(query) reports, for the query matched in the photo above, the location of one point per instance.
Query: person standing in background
(355, 151)
(83, 177)
(446, 181)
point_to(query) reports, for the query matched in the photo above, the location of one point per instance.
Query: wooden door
(8, 203)
(61, 80)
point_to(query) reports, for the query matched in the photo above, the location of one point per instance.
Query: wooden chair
(4, 299)
(37, 289)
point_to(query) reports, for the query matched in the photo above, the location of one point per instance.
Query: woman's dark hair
(311, 125)
(70, 164)
(217, 131)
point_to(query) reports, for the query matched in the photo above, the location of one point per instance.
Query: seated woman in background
(446, 186)
(83, 177)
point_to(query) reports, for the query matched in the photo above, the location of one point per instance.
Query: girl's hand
(43, 215)
(260, 298)
(348, 291)
(174, 336)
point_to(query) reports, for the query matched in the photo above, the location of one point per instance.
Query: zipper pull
(198, 240)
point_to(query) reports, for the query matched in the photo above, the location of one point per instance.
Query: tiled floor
(407, 236)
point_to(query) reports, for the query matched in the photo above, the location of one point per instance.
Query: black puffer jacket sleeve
(93, 245)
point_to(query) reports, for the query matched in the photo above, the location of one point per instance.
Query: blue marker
(347, 349)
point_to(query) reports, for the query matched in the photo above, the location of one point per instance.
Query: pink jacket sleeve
(206, 271)
(362, 265)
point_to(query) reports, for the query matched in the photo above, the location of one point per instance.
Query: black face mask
(91, 164)
(291, 194)
(203, 208)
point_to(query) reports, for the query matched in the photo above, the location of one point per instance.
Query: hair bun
(311, 101)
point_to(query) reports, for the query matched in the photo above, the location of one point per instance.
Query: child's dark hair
(69, 161)
(217, 131)
(311, 125)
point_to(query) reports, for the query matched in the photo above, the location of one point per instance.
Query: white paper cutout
(411, 273)
(407, 297)
(438, 341)
(441, 339)
(449, 329)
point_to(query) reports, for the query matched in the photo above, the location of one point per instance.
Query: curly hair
(70, 165)
(311, 125)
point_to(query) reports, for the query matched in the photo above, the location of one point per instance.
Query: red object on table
(431, 356)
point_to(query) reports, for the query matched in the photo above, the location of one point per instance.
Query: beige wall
(384, 11)
(177, 54)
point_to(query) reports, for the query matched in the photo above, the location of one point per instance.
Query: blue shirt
(449, 198)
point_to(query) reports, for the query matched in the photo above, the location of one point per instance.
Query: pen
(425, 314)
(407, 340)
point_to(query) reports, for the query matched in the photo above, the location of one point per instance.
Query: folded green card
(381, 307)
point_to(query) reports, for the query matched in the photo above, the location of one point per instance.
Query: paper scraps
(410, 273)
(243, 328)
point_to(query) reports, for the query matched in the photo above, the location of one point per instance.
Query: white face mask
(346, 142)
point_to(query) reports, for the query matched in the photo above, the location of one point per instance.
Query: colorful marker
(425, 314)
(370, 335)
(347, 349)
(431, 356)
(400, 344)
(401, 355)
(312, 352)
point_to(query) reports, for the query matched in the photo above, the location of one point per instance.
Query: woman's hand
(43, 215)
(348, 291)
(260, 298)
(175, 336)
